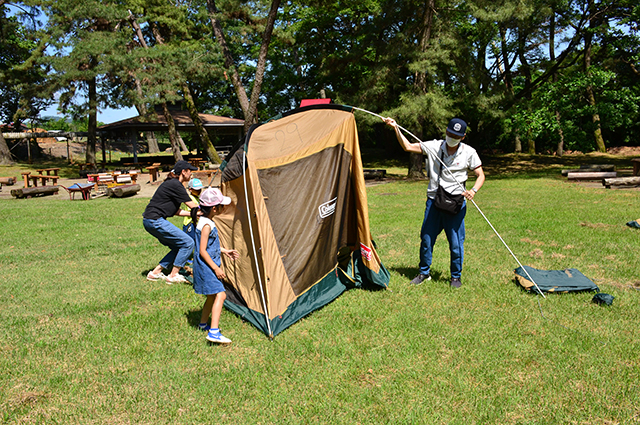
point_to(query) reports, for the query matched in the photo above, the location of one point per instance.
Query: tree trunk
(173, 138)
(591, 99)
(183, 147)
(416, 160)
(416, 164)
(249, 108)
(5, 153)
(152, 142)
(424, 37)
(560, 148)
(518, 144)
(90, 157)
(209, 149)
(531, 146)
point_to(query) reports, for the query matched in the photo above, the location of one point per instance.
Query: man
(459, 159)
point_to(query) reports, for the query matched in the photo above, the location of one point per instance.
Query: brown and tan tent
(299, 217)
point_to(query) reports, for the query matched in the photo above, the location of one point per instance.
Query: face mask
(452, 142)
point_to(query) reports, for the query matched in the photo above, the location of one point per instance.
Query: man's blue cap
(457, 127)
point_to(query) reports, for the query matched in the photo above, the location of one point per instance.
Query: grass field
(86, 339)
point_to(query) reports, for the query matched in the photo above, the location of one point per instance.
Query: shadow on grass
(193, 317)
(411, 272)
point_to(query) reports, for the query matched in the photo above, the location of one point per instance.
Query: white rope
(253, 244)
(433, 154)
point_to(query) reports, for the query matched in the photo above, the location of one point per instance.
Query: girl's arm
(204, 241)
(231, 253)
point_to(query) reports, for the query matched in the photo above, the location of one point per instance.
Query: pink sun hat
(212, 196)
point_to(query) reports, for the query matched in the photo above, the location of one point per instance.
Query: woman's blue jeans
(170, 236)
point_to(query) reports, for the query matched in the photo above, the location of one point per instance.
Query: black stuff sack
(446, 202)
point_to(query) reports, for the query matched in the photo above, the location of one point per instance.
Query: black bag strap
(464, 184)
(440, 163)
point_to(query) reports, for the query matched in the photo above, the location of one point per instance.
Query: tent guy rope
(253, 244)
(433, 154)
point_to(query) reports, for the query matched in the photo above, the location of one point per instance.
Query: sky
(105, 116)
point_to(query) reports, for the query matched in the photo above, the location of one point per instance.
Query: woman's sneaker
(176, 279)
(216, 336)
(154, 277)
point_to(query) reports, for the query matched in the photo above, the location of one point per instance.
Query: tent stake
(433, 154)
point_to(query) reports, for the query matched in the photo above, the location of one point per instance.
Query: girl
(195, 188)
(207, 273)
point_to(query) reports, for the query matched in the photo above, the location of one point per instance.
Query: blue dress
(205, 281)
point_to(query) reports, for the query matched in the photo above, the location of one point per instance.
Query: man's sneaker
(217, 337)
(204, 326)
(455, 282)
(420, 278)
(178, 278)
(154, 277)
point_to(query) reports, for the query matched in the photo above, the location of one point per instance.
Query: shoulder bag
(445, 201)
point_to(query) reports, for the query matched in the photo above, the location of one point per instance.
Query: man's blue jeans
(169, 235)
(435, 221)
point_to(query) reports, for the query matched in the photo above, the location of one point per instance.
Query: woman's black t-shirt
(166, 201)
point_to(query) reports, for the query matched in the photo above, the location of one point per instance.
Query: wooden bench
(43, 179)
(154, 171)
(636, 166)
(8, 181)
(25, 176)
(592, 175)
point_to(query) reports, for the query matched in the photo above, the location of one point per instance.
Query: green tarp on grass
(567, 280)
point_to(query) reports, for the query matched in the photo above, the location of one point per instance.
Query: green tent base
(567, 280)
(330, 287)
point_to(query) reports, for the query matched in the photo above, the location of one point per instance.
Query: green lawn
(86, 339)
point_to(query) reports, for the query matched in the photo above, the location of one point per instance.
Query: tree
(22, 91)
(84, 36)
(249, 106)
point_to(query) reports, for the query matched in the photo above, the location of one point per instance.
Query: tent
(298, 217)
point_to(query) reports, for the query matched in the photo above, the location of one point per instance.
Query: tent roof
(222, 125)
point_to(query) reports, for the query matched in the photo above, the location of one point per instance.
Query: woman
(166, 203)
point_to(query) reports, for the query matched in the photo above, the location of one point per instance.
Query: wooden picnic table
(196, 162)
(88, 165)
(48, 171)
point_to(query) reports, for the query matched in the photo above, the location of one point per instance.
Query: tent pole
(433, 154)
(253, 243)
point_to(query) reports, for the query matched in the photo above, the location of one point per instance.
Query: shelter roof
(182, 121)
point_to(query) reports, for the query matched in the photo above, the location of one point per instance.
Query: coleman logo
(328, 208)
(365, 251)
